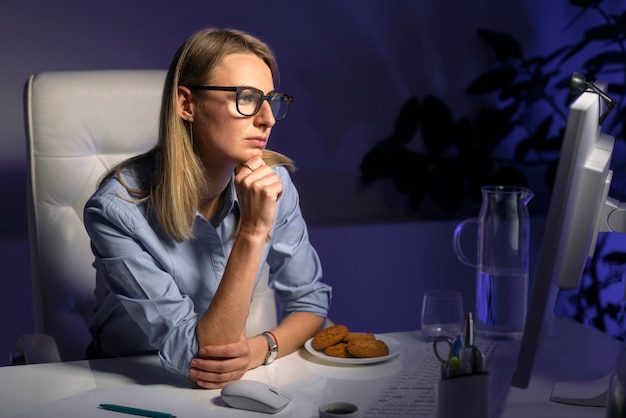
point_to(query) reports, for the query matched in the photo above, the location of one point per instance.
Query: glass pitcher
(503, 228)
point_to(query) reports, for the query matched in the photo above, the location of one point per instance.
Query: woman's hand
(258, 190)
(218, 365)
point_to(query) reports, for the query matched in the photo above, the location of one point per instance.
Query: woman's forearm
(291, 334)
(226, 317)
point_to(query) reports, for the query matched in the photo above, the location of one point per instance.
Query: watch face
(271, 356)
(273, 349)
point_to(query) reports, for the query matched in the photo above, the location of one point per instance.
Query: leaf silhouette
(381, 161)
(527, 104)
(446, 185)
(597, 62)
(510, 176)
(492, 125)
(540, 61)
(504, 46)
(437, 125)
(463, 134)
(602, 32)
(410, 174)
(407, 121)
(492, 81)
(584, 3)
(535, 140)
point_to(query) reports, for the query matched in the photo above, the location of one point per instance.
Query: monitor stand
(582, 392)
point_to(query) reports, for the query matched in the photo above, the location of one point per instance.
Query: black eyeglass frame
(284, 98)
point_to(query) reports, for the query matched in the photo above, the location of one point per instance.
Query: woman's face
(222, 136)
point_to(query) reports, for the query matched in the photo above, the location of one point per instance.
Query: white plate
(394, 350)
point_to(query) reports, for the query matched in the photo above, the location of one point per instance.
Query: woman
(179, 234)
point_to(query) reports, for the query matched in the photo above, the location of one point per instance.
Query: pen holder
(464, 396)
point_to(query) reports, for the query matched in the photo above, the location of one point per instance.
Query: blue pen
(135, 411)
(456, 346)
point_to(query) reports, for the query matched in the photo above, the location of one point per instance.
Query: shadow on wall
(13, 219)
(599, 299)
(379, 273)
(14, 257)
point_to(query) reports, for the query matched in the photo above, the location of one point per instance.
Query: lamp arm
(578, 84)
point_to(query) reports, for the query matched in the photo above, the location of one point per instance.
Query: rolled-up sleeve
(134, 265)
(295, 267)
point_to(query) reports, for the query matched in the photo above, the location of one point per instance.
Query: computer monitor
(579, 209)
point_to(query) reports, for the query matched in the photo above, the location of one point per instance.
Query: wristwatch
(273, 351)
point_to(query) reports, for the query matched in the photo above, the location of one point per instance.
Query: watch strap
(273, 347)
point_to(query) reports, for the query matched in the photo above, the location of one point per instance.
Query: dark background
(350, 64)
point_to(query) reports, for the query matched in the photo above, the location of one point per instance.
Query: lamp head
(577, 84)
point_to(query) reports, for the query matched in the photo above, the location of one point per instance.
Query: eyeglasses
(249, 100)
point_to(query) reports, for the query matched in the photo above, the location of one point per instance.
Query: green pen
(135, 411)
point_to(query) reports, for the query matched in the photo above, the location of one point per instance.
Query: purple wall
(350, 65)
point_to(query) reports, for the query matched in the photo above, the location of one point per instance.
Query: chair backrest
(79, 124)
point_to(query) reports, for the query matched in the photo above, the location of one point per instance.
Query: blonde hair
(180, 176)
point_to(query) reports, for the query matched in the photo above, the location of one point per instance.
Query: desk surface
(61, 388)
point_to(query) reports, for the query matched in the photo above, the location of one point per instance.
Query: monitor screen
(575, 215)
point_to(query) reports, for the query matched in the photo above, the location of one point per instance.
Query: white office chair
(78, 124)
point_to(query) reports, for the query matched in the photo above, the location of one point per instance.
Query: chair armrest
(35, 348)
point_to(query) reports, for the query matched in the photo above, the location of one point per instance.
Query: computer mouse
(254, 396)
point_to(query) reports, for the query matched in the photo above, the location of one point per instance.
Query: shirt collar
(231, 202)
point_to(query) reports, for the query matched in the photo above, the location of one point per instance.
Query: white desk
(76, 388)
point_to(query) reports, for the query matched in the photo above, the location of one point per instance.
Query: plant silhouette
(528, 111)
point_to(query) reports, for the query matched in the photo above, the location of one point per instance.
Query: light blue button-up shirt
(151, 289)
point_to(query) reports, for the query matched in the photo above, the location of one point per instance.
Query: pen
(135, 411)
(469, 352)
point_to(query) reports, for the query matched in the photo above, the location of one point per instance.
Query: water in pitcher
(501, 262)
(501, 304)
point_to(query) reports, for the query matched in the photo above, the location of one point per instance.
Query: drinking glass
(442, 314)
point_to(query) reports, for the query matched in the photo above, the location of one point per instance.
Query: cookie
(338, 350)
(352, 336)
(329, 336)
(367, 348)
